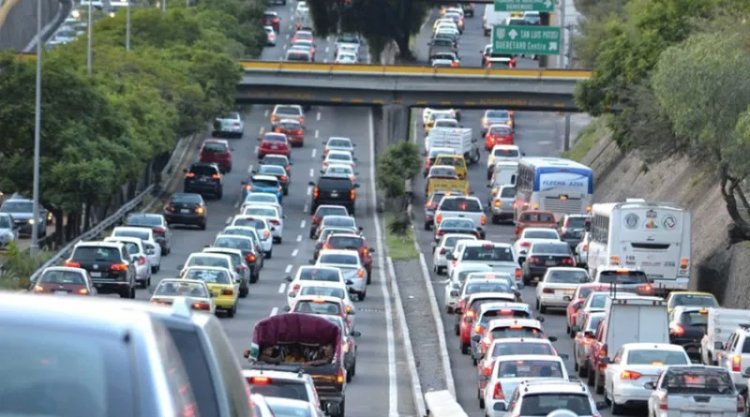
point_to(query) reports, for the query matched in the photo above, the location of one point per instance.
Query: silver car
(158, 224)
(152, 248)
(8, 230)
(349, 263)
(501, 204)
(694, 390)
(138, 256)
(230, 124)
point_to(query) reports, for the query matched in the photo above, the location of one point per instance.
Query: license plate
(550, 263)
(184, 211)
(96, 274)
(274, 146)
(61, 292)
(334, 194)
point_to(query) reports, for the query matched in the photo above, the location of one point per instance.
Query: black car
(204, 178)
(108, 264)
(186, 208)
(687, 328)
(543, 255)
(335, 191)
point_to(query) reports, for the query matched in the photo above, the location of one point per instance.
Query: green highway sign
(526, 39)
(525, 5)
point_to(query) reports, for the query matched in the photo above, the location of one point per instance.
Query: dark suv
(204, 178)
(108, 264)
(334, 190)
(186, 208)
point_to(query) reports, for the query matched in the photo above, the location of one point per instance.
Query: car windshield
(472, 288)
(508, 192)
(551, 248)
(261, 211)
(180, 288)
(62, 277)
(345, 221)
(685, 381)
(541, 234)
(96, 254)
(317, 307)
(17, 207)
(323, 291)
(43, 361)
(521, 348)
(324, 211)
(697, 300)
(233, 243)
(143, 235)
(529, 369)
(457, 224)
(537, 217)
(141, 219)
(293, 390)
(506, 332)
(6, 222)
(241, 231)
(275, 160)
(460, 204)
(656, 357)
(545, 403)
(336, 258)
(563, 276)
(442, 172)
(319, 274)
(209, 276)
(488, 253)
(274, 137)
(207, 260)
(340, 156)
(345, 242)
(624, 277)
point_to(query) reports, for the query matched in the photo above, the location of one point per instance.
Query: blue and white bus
(558, 185)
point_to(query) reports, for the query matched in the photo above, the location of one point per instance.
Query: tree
(379, 21)
(399, 163)
(703, 88)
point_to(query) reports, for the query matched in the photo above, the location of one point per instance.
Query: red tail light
(250, 258)
(525, 244)
(216, 177)
(569, 261)
(630, 375)
(274, 222)
(340, 377)
(548, 291)
(663, 403)
(443, 251)
(284, 178)
(72, 264)
(227, 291)
(440, 232)
(316, 220)
(487, 370)
(736, 363)
(142, 260)
(201, 306)
(676, 330)
(275, 20)
(352, 195)
(119, 267)
(169, 208)
(190, 175)
(160, 230)
(518, 273)
(316, 192)
(497, 393)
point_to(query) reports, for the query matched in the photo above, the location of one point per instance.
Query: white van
(492, 18)
(720, 324)
(505, 173)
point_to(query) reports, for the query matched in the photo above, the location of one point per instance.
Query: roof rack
(260, 366)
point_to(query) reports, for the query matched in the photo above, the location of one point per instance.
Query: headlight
(31, 221)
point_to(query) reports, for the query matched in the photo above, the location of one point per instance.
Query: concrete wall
(716, 266)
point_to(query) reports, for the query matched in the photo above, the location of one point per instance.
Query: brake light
(525, 244)
(361, 273)
(532, 260)
(603, 351)
(284, 178)
(190, 175)
(439, 218)
(340, 377)
(630, 375)
(684, 263)
(316, 219)
(352, 195)
(568, 261)
(200, 210)
(201, 306)
(274, 222)
(227, 291)
(518, 273)
(250, 258)
(548, 291)
(736, 363)
(119, 267)
(260, 380)
(160, 230)
(83, 291)
(365, 251)
(469, 314)
(275, 20)
(443, 251)
(676, 330)
(72, 264)
(478, 329)
(663, 403)
(497, 393)
(266, 234)
(316, 192)
(142, 260)
(614, 260)
(440, 232)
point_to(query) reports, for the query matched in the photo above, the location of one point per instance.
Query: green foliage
(18, 266)
(398, 164)
(401, 246)
(586, 140)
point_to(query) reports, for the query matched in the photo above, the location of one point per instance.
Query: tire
(495, 219)
(598, 388)
(349, 376)
(269, 254)
(369, 277)
(582, 372)
(362, 296)
(617, 409)
(220, 194)
(254, 278)
(131, 293)
(286, 191)
(154, 269)
(456, 330)
(542, 308)
(589, 376)
(441, 270)
(125, 294)
(313, 207)
(351, 209)
(464, 348)
(312, 233)
(427, 226)
(575, 366)
(244, 292)
(481, 403)
(232, 311)
(203, 226)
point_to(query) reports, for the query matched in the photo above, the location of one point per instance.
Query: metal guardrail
(95, 231)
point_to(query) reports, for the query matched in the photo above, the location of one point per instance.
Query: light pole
(37, 128)
(568, 63)
(127, 27)
(89, 40)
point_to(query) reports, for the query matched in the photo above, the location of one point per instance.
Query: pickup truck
(464, 207)
(459, 139)
(498, 256)
(435, 184)
(309, 342)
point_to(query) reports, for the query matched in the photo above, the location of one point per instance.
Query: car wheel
(286, 191)
(369, 277)
(362, 296)
(269, 254)
(354, 367)
(125, 293)
(220, 194)
(203, 226)
(427, 225)
(456, 330)
(313, 207)
(243, 292)
(589, 376)
(464, 348)
(582, 371)
(254, 278)
(154, 269)
(542, 308)
(481, 403)
(231, 311)
(131, 292)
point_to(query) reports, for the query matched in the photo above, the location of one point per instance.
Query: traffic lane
(18, 22)
(324, 47)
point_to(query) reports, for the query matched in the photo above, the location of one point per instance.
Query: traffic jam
(618, 272)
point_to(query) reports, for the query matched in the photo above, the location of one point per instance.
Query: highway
(18, 21)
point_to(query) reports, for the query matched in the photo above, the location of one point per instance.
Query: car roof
(339, 252)
(554, 385)
(521, 340)
(513, 320)
(132, 229)
(338, 152)
(566, 268)
(234, 236)
(332, 284)
(65, 269)
(99, 243)
(503, 305)
(490, 295)
(211, 268)
(657, 346)
(323, 298)
(527, 357)
(539, 229)
(128, 239)
(219, 250)
(264, 177)
(349, 235)
(209, 255)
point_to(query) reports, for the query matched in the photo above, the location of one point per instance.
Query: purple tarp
(295, 327)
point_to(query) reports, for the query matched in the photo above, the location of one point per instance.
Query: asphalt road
(18, 21)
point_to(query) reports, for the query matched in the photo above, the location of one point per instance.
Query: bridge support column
(395, 124)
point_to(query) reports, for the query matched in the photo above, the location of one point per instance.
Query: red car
(273, 143)
(64, 280)
(468, 308)
(576, 302)
(498, 135)
(293, 130)
(217, 151)
(272, 19)
(302, 35)
(535, 218)
(596, 366)
(352, 242)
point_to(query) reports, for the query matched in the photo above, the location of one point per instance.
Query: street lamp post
(89, 40)
(37, 128)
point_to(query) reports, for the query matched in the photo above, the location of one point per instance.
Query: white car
(322, 288)
(245, 231)
(229, 124)
(558, 285)
(446, 244)
(152, 247)
(346, 58)
(138, 256)
(210, 259)
(634, 365)
(268, 382)
(262, 198)
(554, 398)
(263, 228)
(449, 28)
(349, 48)
(456, 281)
(509, 371)
(315, 274)
(351, 267)
(341, 170)
(454, 263)
(339, 157)
(272, 215)
(450, 114)
(196, 291)
(509, 153)
(531, 235)
(338, 143)
(328, 306)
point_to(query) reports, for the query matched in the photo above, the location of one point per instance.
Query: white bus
(651, 237)
(558, 185)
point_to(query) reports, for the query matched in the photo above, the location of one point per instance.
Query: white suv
(542, 397)
(283, 384)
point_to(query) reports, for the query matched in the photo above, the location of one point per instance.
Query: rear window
(339, 143)
(551, 248)
(508, 192)
(567, 277)
(289, 110)
(507, 153)
(594, 322)
(316, 307)
(143, 220)
(208, 276)
(261, 211)
(443, 172)
(289, 126)
(335, 258)
(505, 312)
(488, 253)
(623, 277)
(537, 217)
(340, 156)
(529, 369)
(292, 390)
(17, 207)
(541, 234)
(274, 138)
(520, 348)
(698, 381)
(576, 222)
(271, 170)
(335, 183)
(488, 287)
(202, 170)
(451, 161)
(460, 204)
(500, 130)
(323, 291)
(498, 114)
(214, 147)
(345, 221)
(331, 211)
(297, 56)
(694, 318)
(656, 357)
(345, 242)
(509, 332)
(228, 242)
(696, 300)
(181, 288)
(319, 274)
(457, 224)
(62, 277)
(96, 254)
(546, 403)
(138, 234)
(187, 198)
(265, 183)
(208, 261)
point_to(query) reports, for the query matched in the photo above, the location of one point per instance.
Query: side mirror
(288, 278)
(552, 338)
(355, 334)
(211, 295)
(540, 318)
(360, 228)
(476, 338)
(564, 356)
(648, 385)
(311, 183)
(454, 293)
(349, 282)
(356, 185)
(291, 294)
(287, 308)
(238, 281)
(260, 138)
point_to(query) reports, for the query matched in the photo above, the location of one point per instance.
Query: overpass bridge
(267, 82)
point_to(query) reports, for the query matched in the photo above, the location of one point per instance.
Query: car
(491, 310)
(632, 366)
(435, 115)
(278, 172)
(346, 58)
(157, 223)
(532, 235)
(218, 260)
(471, 301)
(340, 170)
(572, 228)
(247, 267)
(62, 280)
(287, 111)
(217, 151)
(349, 345)
(272, 215)
(321, 212)
(315, 273)
(280, 160)
(449, 113)
(70, 338)
(681, 389)
(451, 58)
(498, 135)
(259, 183)
(441, 45)
(322, 288)
(229, 124)
(593, 303)
(186, 209)
(138, 256)
(151, 248)
(456, 268)
(355, 275)
(558, 286)
(583, 338)
(553, 398)
(687, 327)
(468, 207)
(501, 204)
(271, 143)
(21, 209)
(339, 157)
(250, 255)
(582, 250)
(500, 153)
(338, 143)
(543, 255)
(270, 36)
(288, 407)
(352, 242)
(576, 302)
(344, 40)
(446, 243)
(334, 190)
(302, 34)
(325, 232)
(534, 218)
(691, 299)
(323, 305)
(197, 293)
(8, 231)
(108, 264)
(509, 327)
(272, 20)
(455, 225)
(294, 131)
(348, 48)
(249, 232)
(496, 117)
(432, 154)
(263, 229)
(336, 220)
(442, 171)
(204, 178)
(431, 204)
(298, 55)
(221, 282)
(304, 44)
(259, 198)
(281, 384)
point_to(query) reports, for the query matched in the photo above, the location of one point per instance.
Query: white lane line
(237, 204)
(302, 224)
(274, 311)
(328, 49)
(284, 47)
(282, 287)
(250, 168)
(261, 130)
(392, 381)
(299, 238)
(294, 253)
(317, 116)
(256, 150)
(229, 219)
(265, 113)
(325, 60)
(288, 269)
(304, 209)
(287, 37)
(312, 172)
(309, 190)
(317, 133)
(314, 152)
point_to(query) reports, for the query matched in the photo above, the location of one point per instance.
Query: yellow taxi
(224, 287)
(690, 299)
(456, 161)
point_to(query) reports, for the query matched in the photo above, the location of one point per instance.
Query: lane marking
(282, 287)
(317, 133)
(256, 150)
(261, 130)
(265, 113)
(284, 47)
(304, 209)
(294, 253)
(299, 238)
(328, 49)
(312, 172)
(250, 169)
(309, 190)
(237, 204)
(288, 269)
(302, 224)
(315, 151)
(229, 219)
(392, 382)
(325, 60)
(274, 311)
(317, 116)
